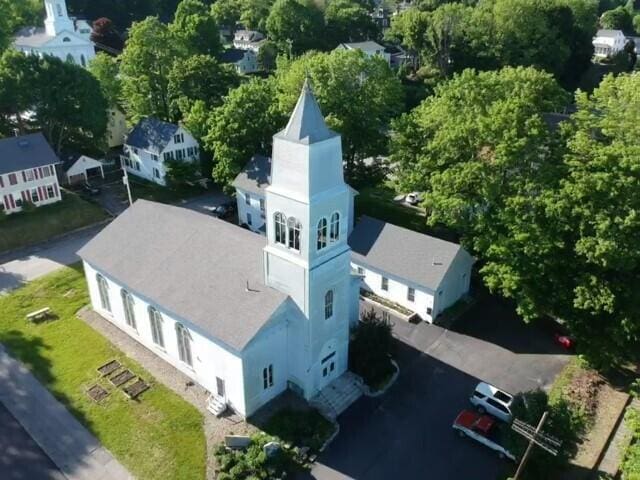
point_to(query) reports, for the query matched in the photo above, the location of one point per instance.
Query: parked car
(223, 210)
(492, 400)
(482, 429)
(413, 198)
(89, 189)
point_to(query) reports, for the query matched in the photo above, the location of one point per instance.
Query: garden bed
(386, 303)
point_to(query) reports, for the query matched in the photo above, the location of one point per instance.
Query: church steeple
(306, 124)
(57, 19)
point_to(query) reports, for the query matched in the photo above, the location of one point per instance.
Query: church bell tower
(307, 255)
(57, 19)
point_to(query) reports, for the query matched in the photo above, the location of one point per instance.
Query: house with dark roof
(250, 196)
(27, 172)
(243, 60)
(244, 315)
(152, 143)
(64, 37)
(421, 273)
(369, 48)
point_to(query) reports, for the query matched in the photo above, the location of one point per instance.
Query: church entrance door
(328, 369)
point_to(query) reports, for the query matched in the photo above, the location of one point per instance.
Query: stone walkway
(215, 429)
(75, 451)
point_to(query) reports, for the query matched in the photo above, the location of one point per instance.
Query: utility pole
(535, 437)
(125, 180)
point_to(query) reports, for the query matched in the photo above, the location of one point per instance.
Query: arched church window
(334, 234)
(322, 234)
(294, 233)
(184, 344)
(59, 7)
(83, 61)
(66, 39)
(280, 222)
(103, 290)
(70, 59)
(328, 305)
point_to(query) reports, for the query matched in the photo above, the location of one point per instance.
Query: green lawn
(42, 223)
(158, 193)
(159, 436)
(378, 202)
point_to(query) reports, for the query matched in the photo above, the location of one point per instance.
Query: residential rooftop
(25, 152)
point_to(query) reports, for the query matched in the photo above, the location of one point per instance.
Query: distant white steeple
(57, 19)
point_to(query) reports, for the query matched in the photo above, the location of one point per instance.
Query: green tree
(371, 348)
(17, 93)
(597, 207)
(145, 64)
(636, 24)
(195, 26)
(358, 95)
(226, 12)
(617, 19)
(254, 14)
(349, 21)
(241, 127)
(202, 78)
(295, 27)
(106, 70)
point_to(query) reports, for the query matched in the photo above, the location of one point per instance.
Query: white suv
(492, 400)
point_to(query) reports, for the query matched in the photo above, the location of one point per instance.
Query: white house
(369, 48)
(607, 43)
(116, 127)
(80, 168)
(244, 315)
(244, 61)
(27, 172)
(421, 273)
(248, 40)
(62, 36)
(152, 143)
(250, 187)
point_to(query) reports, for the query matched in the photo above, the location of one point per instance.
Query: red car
(481, 428)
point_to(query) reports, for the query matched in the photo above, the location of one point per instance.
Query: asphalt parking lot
(406, 433)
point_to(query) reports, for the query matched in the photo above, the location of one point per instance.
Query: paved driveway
(406, 433)
(20, 457)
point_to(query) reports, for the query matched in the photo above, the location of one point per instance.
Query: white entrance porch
(338, 395)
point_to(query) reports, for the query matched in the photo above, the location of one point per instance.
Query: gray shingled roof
(367, 45)
(191, 265)
(608, 33)
(256, 175)
(24, 152)
(418, 258)
(151, 133)
(306, 124)
(32, 37)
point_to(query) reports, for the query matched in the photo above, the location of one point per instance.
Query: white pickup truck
(483, 429)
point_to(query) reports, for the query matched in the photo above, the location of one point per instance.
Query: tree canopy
(295, 26)
(107, 71)
(196, 28)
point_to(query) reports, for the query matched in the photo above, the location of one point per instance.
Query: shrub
(300, 428)
(631, 464)
(181, 172)
(371, 349)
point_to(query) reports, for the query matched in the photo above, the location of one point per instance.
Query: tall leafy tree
(17, 90)
(349, 21)
(618, 19)
(254, 14)
(199, 77)
(145, 64)
(226, 12)
(358, 95)
(196, 28)
(106, 70)
(241, 127)
(295, 26)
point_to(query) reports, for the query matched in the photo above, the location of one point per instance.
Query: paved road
(20, 457)
(406, 433)
(30, 263)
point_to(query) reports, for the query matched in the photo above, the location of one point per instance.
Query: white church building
(64, 37)
(245, 316)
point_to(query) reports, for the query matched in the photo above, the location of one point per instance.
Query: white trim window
(247, 199)
(328, 305)
(155, 318)
(280, 223)
(322, 234)
(411, 294)
(384, 284)
(267, 377)
(294, 228)
(184, 344)
(334, 233)
(129, 312)
(103, 289)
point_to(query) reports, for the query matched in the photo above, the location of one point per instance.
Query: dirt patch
(583, 390)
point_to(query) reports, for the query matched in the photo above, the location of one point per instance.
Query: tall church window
(334, 233)
(322, 233)
(155, 318)
(281, 228)
(103, 289)
(184, 344)
(328, 305)
(59, 7)
(83, 61)
(70, 59)
(294, 227)
(267, 377)
(127, 303)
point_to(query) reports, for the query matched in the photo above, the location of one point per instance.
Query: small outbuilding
(423, 274)
(79, 169)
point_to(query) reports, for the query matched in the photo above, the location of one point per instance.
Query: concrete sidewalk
(75, 451)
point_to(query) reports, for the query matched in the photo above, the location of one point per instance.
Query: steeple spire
(307, 124)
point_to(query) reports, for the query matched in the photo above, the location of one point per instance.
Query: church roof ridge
(307, 124)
